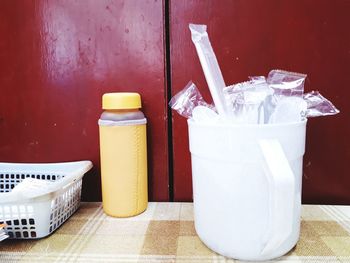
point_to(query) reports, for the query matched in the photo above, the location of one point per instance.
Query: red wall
(252, 37)
(57, 58)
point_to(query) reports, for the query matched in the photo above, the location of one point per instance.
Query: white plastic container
(37, 214)
(247, 187)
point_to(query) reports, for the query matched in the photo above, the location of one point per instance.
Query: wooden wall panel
(57, 58)
(252, 37)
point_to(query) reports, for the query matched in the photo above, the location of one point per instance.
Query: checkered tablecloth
(165, 233)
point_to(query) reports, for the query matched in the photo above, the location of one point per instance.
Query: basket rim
(74, 172)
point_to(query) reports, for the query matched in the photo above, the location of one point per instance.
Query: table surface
(165, 233)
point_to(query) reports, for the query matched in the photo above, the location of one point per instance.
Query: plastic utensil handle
(281, 182)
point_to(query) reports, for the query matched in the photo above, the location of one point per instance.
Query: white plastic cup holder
(247, 187)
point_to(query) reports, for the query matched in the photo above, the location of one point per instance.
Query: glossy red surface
(57, 58)
(252, 37)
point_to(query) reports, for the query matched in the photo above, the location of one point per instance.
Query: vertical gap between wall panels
(168, 97)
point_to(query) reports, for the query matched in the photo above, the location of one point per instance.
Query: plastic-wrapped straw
(210, 67)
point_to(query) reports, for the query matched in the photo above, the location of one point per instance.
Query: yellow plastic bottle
(123, 152)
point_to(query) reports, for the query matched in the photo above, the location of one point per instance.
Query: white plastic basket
(38, 215)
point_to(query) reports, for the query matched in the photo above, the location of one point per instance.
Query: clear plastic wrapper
(247, 100)
(257, 79)
(187, 99)
(278, 99)
(284, 105)
(317, 105)
(286, 83)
